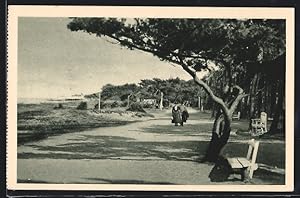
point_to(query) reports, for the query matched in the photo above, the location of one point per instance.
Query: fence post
(99, 101)
(161, 100)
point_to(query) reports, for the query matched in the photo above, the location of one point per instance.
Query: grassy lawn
(38, 121)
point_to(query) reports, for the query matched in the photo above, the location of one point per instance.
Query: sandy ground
(147, 152)
(114, 171)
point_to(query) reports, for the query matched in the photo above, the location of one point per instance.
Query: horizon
(77, 94)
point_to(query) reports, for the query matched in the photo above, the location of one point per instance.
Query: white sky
(54, 62)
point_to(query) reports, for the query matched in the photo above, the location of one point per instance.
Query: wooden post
(99, 102)
(161, 100)
(200, 105)
(128, 97)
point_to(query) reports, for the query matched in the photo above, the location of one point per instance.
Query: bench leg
(244, 174)
(251, 171)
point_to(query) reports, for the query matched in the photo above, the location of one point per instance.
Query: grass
(38, 121)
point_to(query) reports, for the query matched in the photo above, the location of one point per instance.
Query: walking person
(176, 114)
(184, 113)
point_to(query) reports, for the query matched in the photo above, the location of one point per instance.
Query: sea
(38, 100)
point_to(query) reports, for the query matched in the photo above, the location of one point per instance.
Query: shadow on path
(186, 130)
(222, 172)
(116, 147)
(125, 181)
(31, 181)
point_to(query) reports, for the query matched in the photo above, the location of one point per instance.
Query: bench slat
(244, 162)
(239, 162)
(234, 163)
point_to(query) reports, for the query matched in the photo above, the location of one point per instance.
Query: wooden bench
(259, 126)
(237, 116)
(246, 165)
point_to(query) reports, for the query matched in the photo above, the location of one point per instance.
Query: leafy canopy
(174, 89)
(195, 43)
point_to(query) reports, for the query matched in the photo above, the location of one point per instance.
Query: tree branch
(241, 95)
(238, 88)
(186, 68)
(154, 52)
(215, 98)
(152, 46)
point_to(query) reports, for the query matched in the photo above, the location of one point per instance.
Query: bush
(105, 105)
(116, 104)
(136, 107)
(124, 104)
(60, 106)
(146, 105)
(82, 106)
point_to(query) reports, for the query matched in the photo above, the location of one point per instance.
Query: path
(148, 152)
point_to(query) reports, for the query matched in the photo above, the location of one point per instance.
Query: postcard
(150, 98)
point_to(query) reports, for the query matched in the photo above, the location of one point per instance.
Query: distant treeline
(174, 90)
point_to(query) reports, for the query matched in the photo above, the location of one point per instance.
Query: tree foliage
(118, 92)
(236, 47)
(174, 89)
(228, 43)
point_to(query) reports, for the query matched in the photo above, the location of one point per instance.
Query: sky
(55, 62)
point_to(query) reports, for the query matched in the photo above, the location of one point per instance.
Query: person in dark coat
(184, 114)
(176, 114)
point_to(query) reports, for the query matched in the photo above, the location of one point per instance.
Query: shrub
(105, 105)
(82, 106)
(136, 107)
(116, 104)
(102, 105)
(124, 104)
(60, 106)
(146, 105)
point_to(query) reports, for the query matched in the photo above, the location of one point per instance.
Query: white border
(155, 12)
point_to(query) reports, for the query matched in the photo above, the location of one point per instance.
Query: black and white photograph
(151, 101)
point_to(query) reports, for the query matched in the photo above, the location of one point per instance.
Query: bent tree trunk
(220, 135)
(222, 125)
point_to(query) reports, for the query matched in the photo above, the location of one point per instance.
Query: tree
(199, 45)
(118, 92)
(173, 89)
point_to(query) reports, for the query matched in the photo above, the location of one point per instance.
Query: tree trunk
(199, 103)
(273, 100)
(278, 111)
(220, 135)
(222, 124)
(253, 111)
(264, 98)
(214, 111)
(253, 95)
